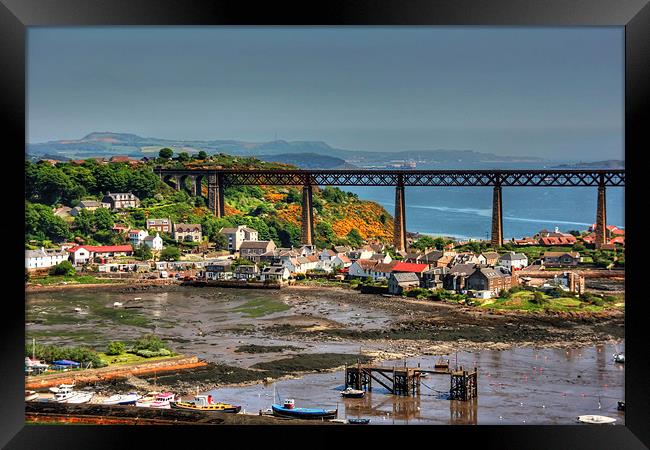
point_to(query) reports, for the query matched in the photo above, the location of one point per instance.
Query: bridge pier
(497, 217)
(601, 217)
(307, 215)
(399, 224)
(216, 202)
(177, 182)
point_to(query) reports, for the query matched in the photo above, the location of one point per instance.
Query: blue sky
(548, 92)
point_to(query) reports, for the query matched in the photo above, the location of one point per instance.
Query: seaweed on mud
(252, 348)
(311, 362)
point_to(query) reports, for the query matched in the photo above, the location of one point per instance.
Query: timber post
(307, 213)
(497, 215)
(601, 214)
(399, 225)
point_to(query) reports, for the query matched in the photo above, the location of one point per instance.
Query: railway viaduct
(218, 179)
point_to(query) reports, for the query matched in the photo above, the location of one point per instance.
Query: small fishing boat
(204, 403)
(138, 298)
(117, 304)
(122, 399)
(147, 399)
(65, 394)
(596, 419)
(288, 409)
(358, 421)
(619, 358)
(162, 401)
(30, 395)
(55, 389)
(81, 397)
(352, 393)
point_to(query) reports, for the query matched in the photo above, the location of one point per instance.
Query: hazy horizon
(554, 93)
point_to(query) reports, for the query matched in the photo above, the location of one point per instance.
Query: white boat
(64, 393)
(596, 419)
(81, 397)
(138, 298)
(55, 389)
(117, 304)
(122, 399)
(619, 357)
(30, 395)
(160, 401)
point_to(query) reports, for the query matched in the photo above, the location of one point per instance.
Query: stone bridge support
(399, 223)
(307, 215)
(197, 183)
(497, 217)
(601, 216)
(216, 202)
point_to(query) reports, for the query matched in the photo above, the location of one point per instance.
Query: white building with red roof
(82, 254)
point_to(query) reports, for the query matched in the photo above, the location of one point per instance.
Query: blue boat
(288, 410)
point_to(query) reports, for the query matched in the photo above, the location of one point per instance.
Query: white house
(154, 242)
(137, 237)
(341, 260)
(513, 261)
(236, 236)
(362, 268)
(36, 259)
(326, 255)
(274, 273)
(83, 253)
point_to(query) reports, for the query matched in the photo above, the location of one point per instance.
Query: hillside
(609, 164)
(308, 161)
(107, 143)
(340, 218)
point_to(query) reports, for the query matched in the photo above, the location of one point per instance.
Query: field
(525, 301)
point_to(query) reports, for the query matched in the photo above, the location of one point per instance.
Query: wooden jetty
(407, 380)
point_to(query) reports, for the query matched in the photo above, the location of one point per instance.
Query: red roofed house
(415, 268)
(362, 268)
(83, 253)
(567, 239)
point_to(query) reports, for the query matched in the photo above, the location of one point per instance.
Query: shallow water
(518, 386)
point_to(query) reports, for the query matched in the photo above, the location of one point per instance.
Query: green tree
(143, 252)
(170, 254)
(184, 157)
(64, 268)
(202, 155)
(41, 224)
(354, 238)
(424, 242)
(166, 153)
(220, 241)
(115, 348)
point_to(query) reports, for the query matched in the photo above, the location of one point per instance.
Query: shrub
(115, 348)
(63, 268)
(149, 342)
(152, 354)
(50, 353)
(538, 298)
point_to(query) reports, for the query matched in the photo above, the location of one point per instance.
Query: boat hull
(190, 407)
(304, 413)
(352, 395)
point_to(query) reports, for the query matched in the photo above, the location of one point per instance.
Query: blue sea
(465, 212)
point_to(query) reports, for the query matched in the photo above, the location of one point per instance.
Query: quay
(407, 380)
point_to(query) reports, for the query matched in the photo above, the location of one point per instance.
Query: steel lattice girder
(549, 178)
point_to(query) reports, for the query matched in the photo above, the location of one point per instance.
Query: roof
(254, 244)
(557, 240)
(274, 269)
(344, 258)
(513, 257)
(341, 248)
(329, 252)
(558, 254)
(410, 267)
(385, 268)
(366, 264)
(185, 227)
(89, 204)
(154, 221)
(405, 277)
(103, 248)
(462, 268)
(490, 273)
(490, 255)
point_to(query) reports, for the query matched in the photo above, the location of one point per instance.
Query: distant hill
(106, 143)
(609, 164)
(308, 161)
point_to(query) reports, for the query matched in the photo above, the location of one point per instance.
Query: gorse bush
(115, 348)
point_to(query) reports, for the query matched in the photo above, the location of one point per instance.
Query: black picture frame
(634, 15)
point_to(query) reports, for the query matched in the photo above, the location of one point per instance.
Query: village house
(359, 254)
(160, 225)
(434, 278)
(561, 259)
(137, 237)
(342, 249)
(82, 254)
(121, 200)
(455, 278)
(341, 260)
(220, 270)
(236, 236)
(63, 211)
(489, 258)
(382, 270)
(362, 268)
(252, 250)
(119, 228)
(88, 205)
(187, 232)
(37, 259)
(400, 282)
(525, 241)
(467, 258)
(415, 268)
(513, 261)
(555, 238)
(247, 272)
(154, 242)
(274, 274)
(488, 279)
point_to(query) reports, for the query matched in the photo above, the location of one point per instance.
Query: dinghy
(122, 399)
(288, 409)
(596, 419)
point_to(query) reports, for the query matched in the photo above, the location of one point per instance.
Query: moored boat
(123, 399)
(352, 393)
(30, 395)
(205, 403)
(288, 409)
(358, 421)
(65, 394)
(619, 358)
(590, 418)
(162, 401)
